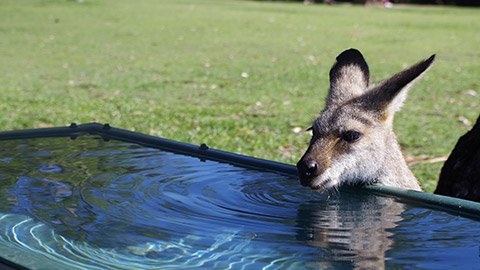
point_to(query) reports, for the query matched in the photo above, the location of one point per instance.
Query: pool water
(94, 204)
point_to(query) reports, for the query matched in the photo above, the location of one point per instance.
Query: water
(91, 204)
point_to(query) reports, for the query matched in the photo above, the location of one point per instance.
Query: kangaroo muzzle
(308, 170)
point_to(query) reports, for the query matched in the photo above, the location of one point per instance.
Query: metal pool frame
(454, 206)
(449, 204)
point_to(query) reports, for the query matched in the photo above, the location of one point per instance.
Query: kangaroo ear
(388, 97)
(349, 77)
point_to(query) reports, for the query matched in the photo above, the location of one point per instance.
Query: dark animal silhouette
(460, 175)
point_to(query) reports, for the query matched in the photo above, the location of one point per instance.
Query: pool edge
(452, 205)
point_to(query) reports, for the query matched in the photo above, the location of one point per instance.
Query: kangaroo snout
(308, 170)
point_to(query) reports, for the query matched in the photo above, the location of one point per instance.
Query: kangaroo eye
(351, 136)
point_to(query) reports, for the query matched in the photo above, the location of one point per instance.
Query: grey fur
(353, 140)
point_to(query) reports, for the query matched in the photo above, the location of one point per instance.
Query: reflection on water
(90, 204)
(355, 226)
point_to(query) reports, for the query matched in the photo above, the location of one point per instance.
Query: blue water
(91, 204)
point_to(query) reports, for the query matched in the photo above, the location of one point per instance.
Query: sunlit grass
(237, 75)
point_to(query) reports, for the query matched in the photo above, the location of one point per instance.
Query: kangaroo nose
(307, 169)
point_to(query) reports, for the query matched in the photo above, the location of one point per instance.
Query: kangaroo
(353, 141)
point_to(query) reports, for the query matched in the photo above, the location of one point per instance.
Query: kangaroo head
(353, 140)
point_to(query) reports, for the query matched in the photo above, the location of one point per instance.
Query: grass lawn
(240, 76)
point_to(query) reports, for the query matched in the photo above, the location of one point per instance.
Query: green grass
(173, 68)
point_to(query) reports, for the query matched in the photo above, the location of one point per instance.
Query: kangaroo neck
(396, 172)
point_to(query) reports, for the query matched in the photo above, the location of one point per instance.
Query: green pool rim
(452, 205)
